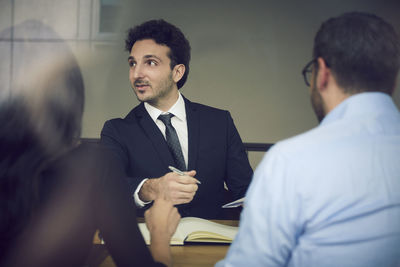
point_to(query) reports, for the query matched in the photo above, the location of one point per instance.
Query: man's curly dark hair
(163, 33)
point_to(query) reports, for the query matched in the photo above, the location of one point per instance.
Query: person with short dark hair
(331, 196)
(163, 33)
(166, 129)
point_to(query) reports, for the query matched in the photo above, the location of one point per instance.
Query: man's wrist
(138, 201)
(148, 191)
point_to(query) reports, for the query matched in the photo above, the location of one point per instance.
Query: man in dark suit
(166, 129)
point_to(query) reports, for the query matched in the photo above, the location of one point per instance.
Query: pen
(180, 172)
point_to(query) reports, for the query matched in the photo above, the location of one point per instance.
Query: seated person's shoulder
(120, 123)
(212, 111)
(84, 157)
(114, 123)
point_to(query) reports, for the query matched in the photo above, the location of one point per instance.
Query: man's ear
(323, 74)
(177, 72)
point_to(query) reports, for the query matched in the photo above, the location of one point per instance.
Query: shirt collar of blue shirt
(360, 104)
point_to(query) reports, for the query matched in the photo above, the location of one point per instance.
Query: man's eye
(152, 63)
(131, 63)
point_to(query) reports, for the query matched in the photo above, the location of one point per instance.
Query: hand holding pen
(177, 186)
(180, 172)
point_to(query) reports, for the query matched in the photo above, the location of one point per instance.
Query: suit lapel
(154, 134)
(193, 123)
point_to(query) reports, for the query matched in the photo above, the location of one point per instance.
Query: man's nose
(137, 72)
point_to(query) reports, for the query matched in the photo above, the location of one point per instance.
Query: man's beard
(160, 91)
(317, 103)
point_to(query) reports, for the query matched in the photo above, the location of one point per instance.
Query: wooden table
(185, 256)
(198, 255)
(189, 255)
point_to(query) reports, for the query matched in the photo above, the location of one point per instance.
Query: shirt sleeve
(269, 223)
(140, 203)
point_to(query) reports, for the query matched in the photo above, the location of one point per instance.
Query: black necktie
(173, 141)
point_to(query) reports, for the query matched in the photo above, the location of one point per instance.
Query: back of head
(54, 96)
(362, 50)
(163, 33)
(41, 119)
(50, 87)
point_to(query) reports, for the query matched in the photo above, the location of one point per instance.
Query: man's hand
(177, 188)
(161, 220)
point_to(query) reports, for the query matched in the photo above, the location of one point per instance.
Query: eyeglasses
(307, 71)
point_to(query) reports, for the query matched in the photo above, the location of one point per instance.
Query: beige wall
(247, 56)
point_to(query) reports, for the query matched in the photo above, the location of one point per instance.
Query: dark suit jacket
(215, 151)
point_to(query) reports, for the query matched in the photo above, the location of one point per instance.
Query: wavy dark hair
(39, 122)
(163, 33)
(362, 50)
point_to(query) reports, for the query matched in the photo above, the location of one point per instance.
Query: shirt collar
(178, 109)
(359, 105)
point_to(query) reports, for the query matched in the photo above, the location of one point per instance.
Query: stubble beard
(317, 103)
(160, 92)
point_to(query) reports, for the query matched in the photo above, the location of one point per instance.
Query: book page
(193, 229)
(201, 230)
(145, 232)
(201, 236)
(176, 239)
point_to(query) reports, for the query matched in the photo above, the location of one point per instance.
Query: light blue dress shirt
(330, 196)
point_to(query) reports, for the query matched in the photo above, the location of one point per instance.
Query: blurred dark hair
(20, 159)
(163, 33)
(362, 51)
(60, 107)
(40, 121)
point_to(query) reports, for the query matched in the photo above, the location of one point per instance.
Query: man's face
(150, 73)
(316, 99)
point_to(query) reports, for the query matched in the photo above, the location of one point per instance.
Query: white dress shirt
(180, 124)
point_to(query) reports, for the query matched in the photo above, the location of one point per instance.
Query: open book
(192, 229)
